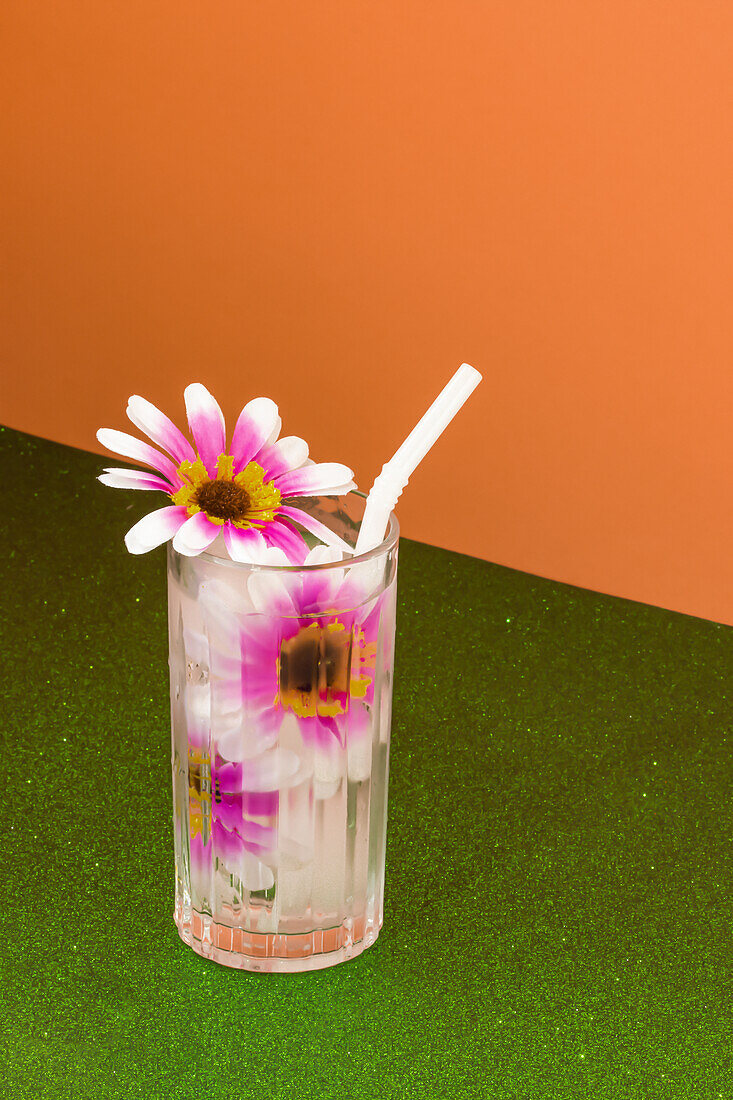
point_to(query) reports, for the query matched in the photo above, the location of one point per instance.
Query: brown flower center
(314, 668)
(223, 499)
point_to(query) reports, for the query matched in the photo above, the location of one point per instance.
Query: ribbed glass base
(275, 953)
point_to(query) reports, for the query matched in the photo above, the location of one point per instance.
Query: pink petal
(281, 457)
(154, 529)
(370, 624)
(325, 534)
(195, 535)
(231, 850)
(149, 419)
(260, 803)
(322, 732)
(359, 722)
(134, 479)
(201, 855)
(258, 423)
(245, 545)
(320, 477)
(284, 537)
(123, 444)
(206, 421)
(319, 588)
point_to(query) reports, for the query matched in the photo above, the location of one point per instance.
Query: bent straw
(395, 473)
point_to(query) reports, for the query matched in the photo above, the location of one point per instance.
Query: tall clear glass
(281, 694)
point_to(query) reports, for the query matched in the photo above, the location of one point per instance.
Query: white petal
(270, 771)
(325, 534)
(223, 597)
(289, 453)
(134, 479)
(206, 421)
(271, 593)
(127, 445)
(321, 555)
(274, 556)
(154, 529)
(195, 535)
(258, 423)
(364, 579)
(253, 874)
(359, 758)
(287, 538)
(276, 429)
(318, 478)
(245, 741)
(244, 545)
(340, 490)
(158, 427)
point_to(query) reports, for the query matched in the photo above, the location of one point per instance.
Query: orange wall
(334, 203)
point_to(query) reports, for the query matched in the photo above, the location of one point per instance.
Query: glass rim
(388, 543)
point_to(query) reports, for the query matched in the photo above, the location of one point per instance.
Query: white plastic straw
(395, 474)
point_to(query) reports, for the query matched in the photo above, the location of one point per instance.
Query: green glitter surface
(558, 862)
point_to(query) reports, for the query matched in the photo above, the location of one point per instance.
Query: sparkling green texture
(557, 911)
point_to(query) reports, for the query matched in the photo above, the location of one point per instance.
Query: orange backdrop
(334, 203)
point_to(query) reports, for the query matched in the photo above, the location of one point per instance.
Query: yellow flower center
(199, 792)
(244, 499)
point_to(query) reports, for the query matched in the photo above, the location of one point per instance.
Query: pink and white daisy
(244, 492)
(307, 652)
(232, 811)
(233, 816)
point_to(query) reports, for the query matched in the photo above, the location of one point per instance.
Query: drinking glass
(281, 693)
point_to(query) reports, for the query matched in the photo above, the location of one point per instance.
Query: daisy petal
(275, 556)
(323, 555)
(325, 735)
(320, 587)
(134, 479)
(253, 874)
(270, 771)
(149, 419)
(154, 529)
(282, 535)
(206, 421)
(320, 477)
(281, 457)
(257, 422)
(270, 593)
(341, 490)
(245, 545)
(127, 445)
(200, 865)
(195, 535)
(325, 534)
(232, 850)
(248, 740)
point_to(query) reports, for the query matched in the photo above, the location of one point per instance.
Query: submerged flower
(232, 815)
(242, 492)
(310, 653)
